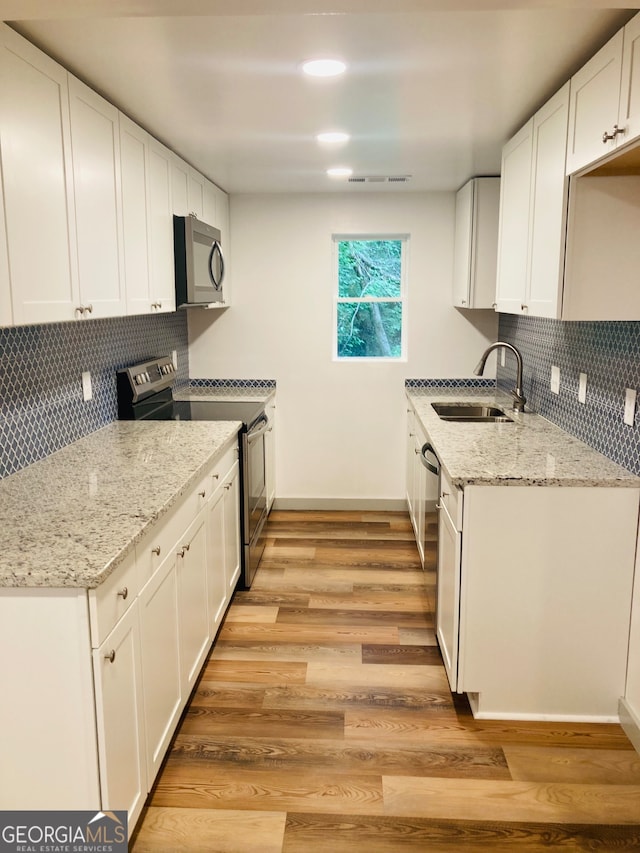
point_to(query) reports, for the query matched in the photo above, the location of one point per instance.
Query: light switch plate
(87, 390)
(174, 358)
(629, 406)
(503, 356)
(582, 388)
(555, 379)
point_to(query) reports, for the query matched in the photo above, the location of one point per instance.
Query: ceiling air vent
(380, 179)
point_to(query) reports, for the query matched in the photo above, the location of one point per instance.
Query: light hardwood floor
(323, 722)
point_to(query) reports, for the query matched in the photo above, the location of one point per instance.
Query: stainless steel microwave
(199, 263)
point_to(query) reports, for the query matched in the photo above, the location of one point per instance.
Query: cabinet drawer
(451, 499)
(113, 598)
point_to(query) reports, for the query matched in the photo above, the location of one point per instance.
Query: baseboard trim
(517, 716)
(630, 722)
(353, 504)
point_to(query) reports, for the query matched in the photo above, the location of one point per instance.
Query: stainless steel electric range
(145, 392)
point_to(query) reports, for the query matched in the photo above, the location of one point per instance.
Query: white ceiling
(433, 90)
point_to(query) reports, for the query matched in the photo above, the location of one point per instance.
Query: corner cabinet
(476, 243)
(128, 654)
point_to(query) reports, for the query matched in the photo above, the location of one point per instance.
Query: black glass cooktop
(199, 410)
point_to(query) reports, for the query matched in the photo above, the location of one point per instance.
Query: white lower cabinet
(121, 659)
(117, 673)
(160, 643)
(537, 638)
(192, 602)
(630, 704)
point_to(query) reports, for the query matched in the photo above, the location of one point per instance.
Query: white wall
(341, 426)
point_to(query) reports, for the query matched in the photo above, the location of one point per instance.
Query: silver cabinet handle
(216, 476)
(494, 305)
(445, 494)
(228, 486)
(606, 137)
(123, 593)
(156, 550)
(111, 656)
(464, 301)
(89, 309)
(203, 493)
(183, 550)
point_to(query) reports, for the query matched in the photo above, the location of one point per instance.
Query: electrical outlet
(174, 359)
(503, 356)
(87, 391)
(555, 379)
(629, 406)
(582, 388)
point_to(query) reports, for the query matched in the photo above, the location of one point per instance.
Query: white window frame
(402, 299)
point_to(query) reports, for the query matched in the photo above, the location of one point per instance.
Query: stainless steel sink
(470, 413)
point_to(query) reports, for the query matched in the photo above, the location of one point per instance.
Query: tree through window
(369, 313)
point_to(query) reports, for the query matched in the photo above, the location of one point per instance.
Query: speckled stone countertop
(531, 451)
(69, 520)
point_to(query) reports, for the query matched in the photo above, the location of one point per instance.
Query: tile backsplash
(609, 354)
(41, 402)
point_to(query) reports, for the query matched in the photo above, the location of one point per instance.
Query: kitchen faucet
(518, 397)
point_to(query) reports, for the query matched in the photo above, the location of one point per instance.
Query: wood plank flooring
(323, 722)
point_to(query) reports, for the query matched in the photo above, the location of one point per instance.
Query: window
(370, 299)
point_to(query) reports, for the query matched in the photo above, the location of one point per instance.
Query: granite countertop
(69, 520)
(531, 451)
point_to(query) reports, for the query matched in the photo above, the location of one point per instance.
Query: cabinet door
(192, 598)
(95, 141)
(448, 613)
(231, 489)
(632, 691)
(513, 240)
(179, 186)
(36, 173)
(593, 109)
(462, 245)
(6, 312)
(629, 109)
(133, 169)
(270, 457)
(549, 188)
(196, 193)
(160, 644)
(419, 493)
(160, 218)
(209, 207)
(117, 676)
(216, 578)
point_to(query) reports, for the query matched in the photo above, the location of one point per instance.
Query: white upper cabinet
(629, 108)
(160, 220)
(513, 240)
(95, 141)
(548, 207)
(195, 190)
(6, 312)
(595, 92)
(37, 177)
(476, 243)
(532, 214)
(133, 168)
(179, 187)
(605, 100)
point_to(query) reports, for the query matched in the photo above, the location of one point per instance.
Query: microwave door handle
(217, 283)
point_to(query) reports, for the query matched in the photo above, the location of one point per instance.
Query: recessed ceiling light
(324, 67)
(333, 137)
(339, 172)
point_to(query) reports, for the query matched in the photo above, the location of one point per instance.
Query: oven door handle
(434, 467)
(258, 428)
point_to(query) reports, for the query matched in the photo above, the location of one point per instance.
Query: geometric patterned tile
(608, 352)
(41, 405)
